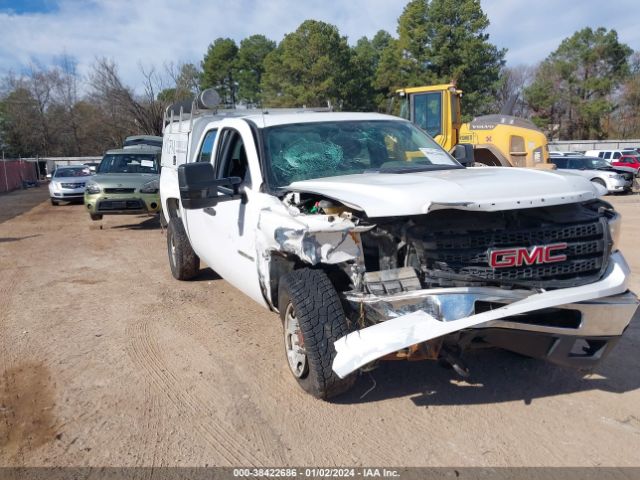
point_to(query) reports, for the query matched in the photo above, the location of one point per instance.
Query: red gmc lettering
(530, 258)
(518, 256)
(548, 258)
(503, 258)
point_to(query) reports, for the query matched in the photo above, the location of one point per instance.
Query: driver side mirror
(463, 153)
(200, 189)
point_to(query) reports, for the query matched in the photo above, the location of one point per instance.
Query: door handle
(210, 211)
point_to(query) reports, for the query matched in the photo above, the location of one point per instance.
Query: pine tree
(219, 69)
(442, 41)
(310, 67)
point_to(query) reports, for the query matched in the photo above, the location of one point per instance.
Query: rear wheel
(313, 319)
(183, 261)
(95, 216)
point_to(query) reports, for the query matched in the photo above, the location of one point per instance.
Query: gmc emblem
(518, 256)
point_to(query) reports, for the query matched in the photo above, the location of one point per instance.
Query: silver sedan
(68, 183)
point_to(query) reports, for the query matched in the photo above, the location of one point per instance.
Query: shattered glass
(307, 158)
(316, 150)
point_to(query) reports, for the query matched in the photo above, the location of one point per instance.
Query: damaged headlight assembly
(615, 230)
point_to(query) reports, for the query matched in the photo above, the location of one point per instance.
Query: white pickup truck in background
(372, 242)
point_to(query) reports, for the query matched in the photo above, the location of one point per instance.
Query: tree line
(589, 87)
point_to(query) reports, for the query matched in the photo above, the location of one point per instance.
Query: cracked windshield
(305, 151)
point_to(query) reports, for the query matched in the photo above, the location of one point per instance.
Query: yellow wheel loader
(498, 140)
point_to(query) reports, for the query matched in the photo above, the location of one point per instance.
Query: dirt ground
(105, 360)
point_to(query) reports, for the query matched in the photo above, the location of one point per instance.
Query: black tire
(183, 261)
(95, 216)
(163, 221)
(312, 298)
(55, 202)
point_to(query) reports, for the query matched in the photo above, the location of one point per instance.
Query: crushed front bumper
(619, 185)
(575, 326)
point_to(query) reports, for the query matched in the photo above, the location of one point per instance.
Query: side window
(428, 112)
(616, 155)
(601, 154)
(575, 164)
(207, 146)
(232, 160)
(560, 162)
(607, 155)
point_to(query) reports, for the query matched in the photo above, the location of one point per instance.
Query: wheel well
(489, 155)
(280, 265)
(173, 207)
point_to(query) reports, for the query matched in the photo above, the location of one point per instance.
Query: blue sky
(28, 6)
(156, 32)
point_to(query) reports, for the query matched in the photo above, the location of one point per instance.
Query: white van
(608, 155)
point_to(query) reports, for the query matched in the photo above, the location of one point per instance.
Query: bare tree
(510, 98)
(185, 78)
(42, 85)
(21, 132)
(153, 84)
(126, 110)
(68, 98)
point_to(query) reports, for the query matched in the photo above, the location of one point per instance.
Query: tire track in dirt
(261, 433)
(234, 333)
(146, 353)
(227, 321)
(270, 389)
(9, 278)
(242, 407)
(152, 428)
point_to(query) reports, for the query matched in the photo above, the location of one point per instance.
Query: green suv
(126, 182)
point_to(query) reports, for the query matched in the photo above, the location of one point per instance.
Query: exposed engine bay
(455, 248)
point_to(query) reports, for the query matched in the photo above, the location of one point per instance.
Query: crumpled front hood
(123, 180)
(620, 169)
(481, 189)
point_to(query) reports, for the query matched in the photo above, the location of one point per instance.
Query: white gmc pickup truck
(373, 243)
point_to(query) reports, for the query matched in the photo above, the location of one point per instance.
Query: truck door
(224, 235)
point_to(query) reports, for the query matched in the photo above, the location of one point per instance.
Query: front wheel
(313, 319)
(183, 261)
(54, 202)
(163, 221)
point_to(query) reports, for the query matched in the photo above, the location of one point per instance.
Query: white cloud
(156, 32)
(152, 32)
(532, 30)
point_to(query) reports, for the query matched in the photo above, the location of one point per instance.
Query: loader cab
(497, 140)
(435, 109)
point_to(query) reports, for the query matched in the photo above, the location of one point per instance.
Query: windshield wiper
(418, 168)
